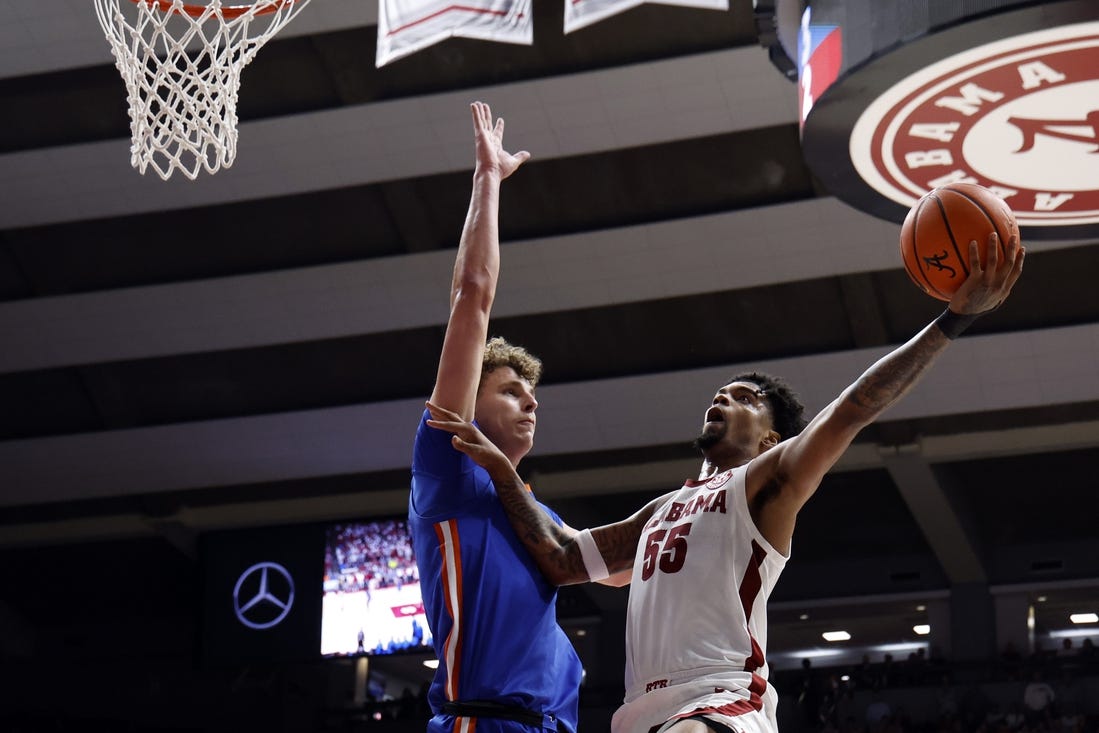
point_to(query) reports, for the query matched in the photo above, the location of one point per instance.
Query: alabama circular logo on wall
(1019, 116)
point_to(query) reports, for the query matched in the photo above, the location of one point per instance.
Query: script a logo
(263, 595)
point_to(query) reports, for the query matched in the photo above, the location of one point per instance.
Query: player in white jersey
(710, 553)
(701, 559)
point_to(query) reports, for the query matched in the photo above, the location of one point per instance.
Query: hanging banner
(582, 13)
(407, 26)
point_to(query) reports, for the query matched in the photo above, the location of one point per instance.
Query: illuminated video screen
(372, 603)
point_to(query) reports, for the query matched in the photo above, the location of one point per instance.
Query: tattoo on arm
(617, 543)
(555, 553)
(892, 376)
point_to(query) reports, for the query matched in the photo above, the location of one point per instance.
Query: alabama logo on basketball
(1019, 116)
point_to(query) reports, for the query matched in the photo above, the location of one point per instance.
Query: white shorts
(660, 709)
(750, 722)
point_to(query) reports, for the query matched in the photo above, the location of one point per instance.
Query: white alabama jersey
(696, 629)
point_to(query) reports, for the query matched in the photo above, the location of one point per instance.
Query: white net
(181, 64)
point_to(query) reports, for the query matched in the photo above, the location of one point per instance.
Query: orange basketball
(936, 234)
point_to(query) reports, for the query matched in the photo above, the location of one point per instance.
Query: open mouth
(714, 415)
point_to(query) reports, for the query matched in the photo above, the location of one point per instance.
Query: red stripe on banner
(447, 9)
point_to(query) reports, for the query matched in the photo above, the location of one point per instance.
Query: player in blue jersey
(504, 663)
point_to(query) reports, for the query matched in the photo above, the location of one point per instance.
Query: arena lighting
(1072, 633)
(1084, 618)
(431, 663)
(836, 636)
(921, 608)
(815, 653)
(922, 629)
(906, 646)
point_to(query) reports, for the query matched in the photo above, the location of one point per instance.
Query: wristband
(589, 553)
(954, 324)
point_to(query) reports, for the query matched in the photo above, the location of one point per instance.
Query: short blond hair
(499, 353)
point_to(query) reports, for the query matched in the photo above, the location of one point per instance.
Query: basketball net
(181, 65)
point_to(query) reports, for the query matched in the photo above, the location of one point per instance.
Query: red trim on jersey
(730, 710)
(724, 477)
(451, 551)
(465, 725)
(749, 591)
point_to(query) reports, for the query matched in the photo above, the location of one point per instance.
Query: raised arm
(476, 269)
(555, 549)
(793, 470)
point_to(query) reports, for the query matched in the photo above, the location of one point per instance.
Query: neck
(713, 464)
(515, 456)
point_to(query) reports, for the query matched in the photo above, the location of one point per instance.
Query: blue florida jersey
(492, 613)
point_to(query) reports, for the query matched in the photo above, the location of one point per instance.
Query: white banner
(407, 26)
(582, 13)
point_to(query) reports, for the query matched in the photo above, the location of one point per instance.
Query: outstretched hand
(489, 139)
(468, 439)
(988, 286)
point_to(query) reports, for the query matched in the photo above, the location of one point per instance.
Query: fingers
(451, 422)
(482, 116)
(993, 250)
(974, 257)
(1017, 265)
(522, 156)
(499, 127)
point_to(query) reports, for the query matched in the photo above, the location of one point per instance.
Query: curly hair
(499, 353)
(786, 408)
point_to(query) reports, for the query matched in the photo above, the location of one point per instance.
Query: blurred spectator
(1066, 650)
(915, 668)
(994, 718)
(1070, 696)
(878, 713)
(1015, 718)
(1088, 658)
(864, 676)
(1038, 700)
(809, 696)
(1011, 661)
(947, 698)
(888, 672)
(1039, 658)
(845, 715)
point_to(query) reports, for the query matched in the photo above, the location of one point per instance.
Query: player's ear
(770, 440)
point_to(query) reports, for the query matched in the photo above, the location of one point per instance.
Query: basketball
(936, 234)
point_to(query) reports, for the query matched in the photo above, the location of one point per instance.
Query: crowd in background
(1045, 692)
(369, 555)
(1040, 693)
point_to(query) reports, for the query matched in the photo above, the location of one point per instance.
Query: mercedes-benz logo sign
(263, 595)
